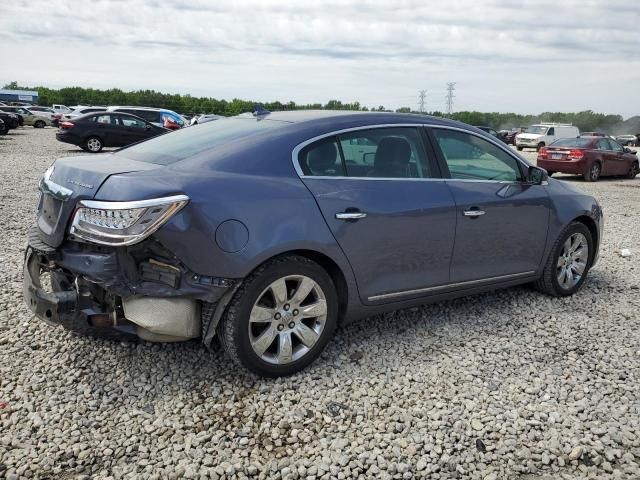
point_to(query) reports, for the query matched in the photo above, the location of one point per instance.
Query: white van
(543, 134)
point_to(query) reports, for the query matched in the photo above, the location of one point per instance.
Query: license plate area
(556, 156)
(49, 213)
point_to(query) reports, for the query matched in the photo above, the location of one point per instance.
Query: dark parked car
(489, 130)
(11, 120)
(94, 131)
(271, 230)
(591, 157)
(3, 127)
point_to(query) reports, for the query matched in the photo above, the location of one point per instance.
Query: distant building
(18, 96)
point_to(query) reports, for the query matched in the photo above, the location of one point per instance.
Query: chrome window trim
(418, 291)
(504, 148)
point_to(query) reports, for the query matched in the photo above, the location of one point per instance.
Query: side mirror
(147, 127)
(537, 175)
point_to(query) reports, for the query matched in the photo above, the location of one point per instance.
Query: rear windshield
(572, 142)
(186, 142)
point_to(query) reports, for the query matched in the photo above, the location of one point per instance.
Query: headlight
(123, 223)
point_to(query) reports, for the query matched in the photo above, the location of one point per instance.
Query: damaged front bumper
(141, 289)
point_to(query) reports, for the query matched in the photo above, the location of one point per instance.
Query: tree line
(188, 104)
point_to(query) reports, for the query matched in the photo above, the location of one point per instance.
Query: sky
(524, 56)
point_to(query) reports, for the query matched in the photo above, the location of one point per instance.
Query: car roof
(133, 107)
(303, 116)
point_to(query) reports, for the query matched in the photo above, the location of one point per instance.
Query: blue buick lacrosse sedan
(271, 229)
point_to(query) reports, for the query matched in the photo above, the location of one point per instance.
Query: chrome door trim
(503, 147)
(473, 213)
(385, 296)
(350, 215)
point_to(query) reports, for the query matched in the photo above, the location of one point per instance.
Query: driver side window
(472, 158)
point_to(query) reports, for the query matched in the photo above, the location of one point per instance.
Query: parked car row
(33, 118)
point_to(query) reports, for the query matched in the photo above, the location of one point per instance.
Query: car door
(385, 205)
(502, 220)
(106, 127)
(134, 129)
(620, 161)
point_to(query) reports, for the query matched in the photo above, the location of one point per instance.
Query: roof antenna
(259, 110)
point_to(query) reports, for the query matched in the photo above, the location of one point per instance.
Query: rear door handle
(473, 213)
(351, 215)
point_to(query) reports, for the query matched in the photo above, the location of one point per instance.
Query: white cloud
(506, 56)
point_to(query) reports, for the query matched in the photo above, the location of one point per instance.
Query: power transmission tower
(422, 97)
(451, 86)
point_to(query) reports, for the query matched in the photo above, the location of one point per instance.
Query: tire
(539, 146)
(519, 148)
(549, 282)
(633, 171)
(593, 174)
(93, 144)
(238, 335)
(39, 124)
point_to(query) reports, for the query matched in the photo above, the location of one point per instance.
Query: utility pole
(451, 86)
(422, 97)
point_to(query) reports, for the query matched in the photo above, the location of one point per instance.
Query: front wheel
(93, 144)
(593, 174)
(539, 146)
(519, 148)
(633, 171)
(281, 318)
(569, 262)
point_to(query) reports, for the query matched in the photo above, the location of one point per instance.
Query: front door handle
(473, 213)
(351, 215)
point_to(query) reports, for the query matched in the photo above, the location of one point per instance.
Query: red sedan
(591, 157)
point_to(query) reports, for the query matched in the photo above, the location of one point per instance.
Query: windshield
(175, 146)
(572, 142)
(536, 129)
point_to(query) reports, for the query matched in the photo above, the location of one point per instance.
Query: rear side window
(385, 153)
(603, 144)
(322, 159)
(186, 142)
(395, 152)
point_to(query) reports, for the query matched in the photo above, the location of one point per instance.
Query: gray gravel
(511, 384)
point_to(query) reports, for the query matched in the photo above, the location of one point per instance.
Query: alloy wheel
(572, 261)
(94, 145)
(287, 319)
(595, 171)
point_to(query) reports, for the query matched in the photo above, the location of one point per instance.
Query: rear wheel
(281, 318)
(569, 262)
(93, 144)
(39, 124)
(633, 171)
(593, 174)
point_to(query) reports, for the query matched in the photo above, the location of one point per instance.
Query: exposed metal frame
(296, 151)
(419, 291)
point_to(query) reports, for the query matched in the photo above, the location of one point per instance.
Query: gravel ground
(505, 385)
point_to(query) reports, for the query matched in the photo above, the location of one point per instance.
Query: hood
(530, 136)
(82, 176)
